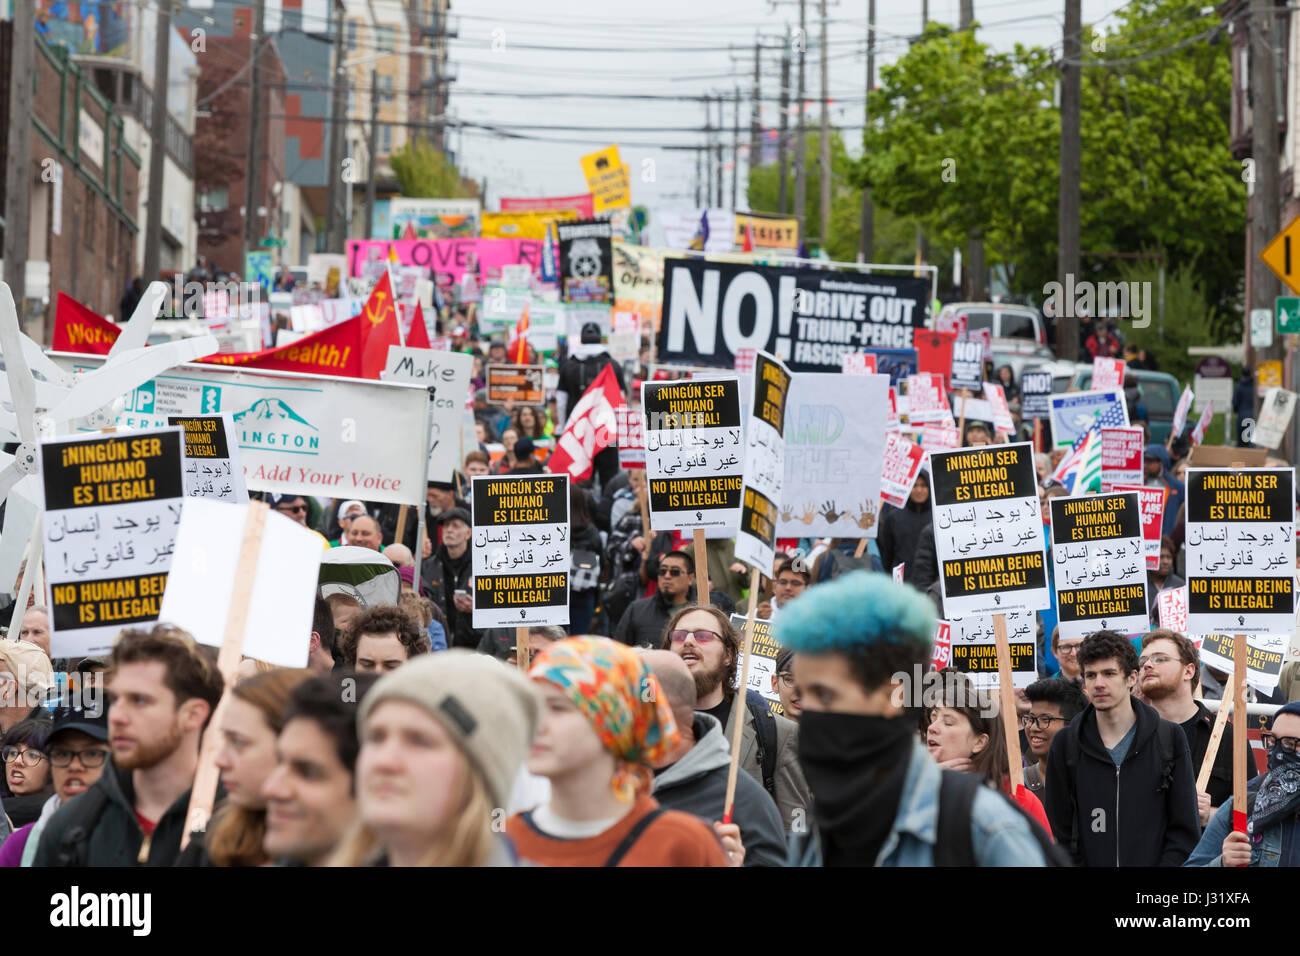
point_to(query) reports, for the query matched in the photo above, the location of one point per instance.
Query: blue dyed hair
(855, 612)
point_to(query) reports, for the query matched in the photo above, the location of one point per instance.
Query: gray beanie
(488, 707)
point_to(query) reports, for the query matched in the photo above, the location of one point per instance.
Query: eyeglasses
(294, 509)
(789, 582)
(1067, 649)
(1155, 660)
(29, 756)
(1038, 721)
(1288, 744)
(671, 571)
(90, 759)
(701, 636)
(786, 679)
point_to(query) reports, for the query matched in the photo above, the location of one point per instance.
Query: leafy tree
(427, 173)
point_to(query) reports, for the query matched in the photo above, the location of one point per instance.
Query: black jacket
(643, 623)
(443, 575)
(899, 534)
(113, 838)
(578, 374)
(1125, 816)
(924, 568)
(1198, 740)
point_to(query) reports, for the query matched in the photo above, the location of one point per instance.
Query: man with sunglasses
(77, 749)
(1272, 836)
(1052, 705)
(642, 624)
(295, 508)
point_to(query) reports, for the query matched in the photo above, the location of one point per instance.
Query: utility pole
(867, 227)
(158, 143)
(826, 175)
(975, 271)
(781, 159)
(373, 145)
(967, 14)
(255, 120)
(335, 227)
(755, 111)
(1264, 213)
(801, 144)
(699, 174)
(18, 171)
(717, 160)
(920, 236)
(735, 149)
(1067, 261)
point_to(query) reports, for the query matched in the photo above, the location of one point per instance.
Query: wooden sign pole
(204, 791)
(1038, 434)
(1240, 746)
(521, 648)
(961, 426)
(1009, 723)
(1216, 736)
(738, 709)
(643, 503)
(401, 528)
(702, 571)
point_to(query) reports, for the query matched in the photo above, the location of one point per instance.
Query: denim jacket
(1265, 847)
(1000, 836)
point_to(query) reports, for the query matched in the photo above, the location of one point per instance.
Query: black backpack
(956, 799)
(765, 736)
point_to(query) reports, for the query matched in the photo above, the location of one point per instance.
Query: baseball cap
(344, 508)
(70, 715)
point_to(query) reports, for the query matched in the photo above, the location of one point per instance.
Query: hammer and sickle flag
(379, 328)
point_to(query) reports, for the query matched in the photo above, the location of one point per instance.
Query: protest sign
(1075, 413)
(832, 455)
(1265, 654)
(607, 179)
(515, 383)
(1106, 373)
(1207, 416)
(762, 663)
(934, 353)
(1274, 417)
(1152, 502)
(1000, 414)
(112, 505)
(638, 280)
(694, 455)
(764, 464)
(200, 588)
(974, 650)
(953, 323)
(1180, 413)
(1098, 565)
(450, 260)
(446, 377)
(927, 399)
(941, 651)
(896, 363)
(767, 232)
(433, 218)
(212, 468)
(809, 318)
(858, 363)
(579, 203)
(521, 554)
(631, 437)
(940, 437)
(297, 434)
(967, 365)
(1172, 604)
(1035, 395)
(1241, 551)
(900, 465)
(705, 230)
(586, 260)
(899, 570)
(988, 530)
(1121, 457)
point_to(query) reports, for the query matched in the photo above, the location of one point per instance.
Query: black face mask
(855, 766)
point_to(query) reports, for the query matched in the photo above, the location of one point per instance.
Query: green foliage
(426, 172)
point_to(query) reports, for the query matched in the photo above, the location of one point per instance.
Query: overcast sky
(690, 40)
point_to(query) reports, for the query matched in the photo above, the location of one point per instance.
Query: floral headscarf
(615, 690)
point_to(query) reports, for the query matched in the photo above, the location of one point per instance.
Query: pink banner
(581, 202)
(1151, 499)
(900, 465)
(1121, 457)
(450, 259)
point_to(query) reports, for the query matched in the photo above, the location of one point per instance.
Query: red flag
(419, 336)
(517, 348)
(591, 428)
(380, 328)
(78, 329)
(749, 237)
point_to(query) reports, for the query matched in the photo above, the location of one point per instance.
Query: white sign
(1274, 417)
(1261, 328)
(1172, 604)
(764, 464)
(212, 468)
(1180, 413)
(1098, 565)
(521, 554)
(1265, 654)
(1107, 373)
(974, 649)
(927, 399)
(901, 465)
(1075, 413)
(1216, 390)
(446, 375)
(1000, 413)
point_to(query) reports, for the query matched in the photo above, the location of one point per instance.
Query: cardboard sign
(1121, 457)
(898, 573)
(927, 399)
(1274, 417)
(940, 437)
(1107, 373)
(1180, 413)
(764, 464)
(1098, 564)
(858, 363)
(974, 649)
(521, 555)
(1172, 604)
(112, 505)
(211, 465)
(934, 353)
(202, 582)
(941, 651)
(901, 464)
(967, 365)
(1000, 413)
(762, 665)
(515, 383)
(988, 530)
(1075, 413)
(1035, 395)
(446, 375)
(586, 265)
(631, 437)
(1152, 502)
(694, 456)
(1265, 654)
(832, 455)
(1241, 551)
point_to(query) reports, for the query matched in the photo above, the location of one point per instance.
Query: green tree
(427, 173)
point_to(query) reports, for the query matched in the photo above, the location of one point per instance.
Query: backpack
(954, 846)
(765, 736)
(1164, 740)
(590, 371)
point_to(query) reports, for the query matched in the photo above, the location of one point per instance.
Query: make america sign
(809, 318)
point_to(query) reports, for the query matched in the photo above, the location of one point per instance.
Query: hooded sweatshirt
(1174, 502)
(697, 784)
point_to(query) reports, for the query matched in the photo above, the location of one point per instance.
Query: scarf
(855, 766)
(1277, 797)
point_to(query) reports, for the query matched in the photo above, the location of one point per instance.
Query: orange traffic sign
(1282, 255)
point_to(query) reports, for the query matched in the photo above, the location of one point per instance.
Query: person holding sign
(1121, 789)
(859, 747)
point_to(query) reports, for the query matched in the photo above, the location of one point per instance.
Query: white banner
(446, 376)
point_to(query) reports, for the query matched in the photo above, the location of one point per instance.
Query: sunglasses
(286, 509)
(672, 572)
(701, 636)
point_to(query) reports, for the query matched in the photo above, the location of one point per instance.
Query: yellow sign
(1270, 374)
(607, 178)
(1282, 255)
(523, 225)
(768, 233)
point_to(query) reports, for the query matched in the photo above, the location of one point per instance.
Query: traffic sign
(1287, 311)
(1261, 328)
(1282, 255)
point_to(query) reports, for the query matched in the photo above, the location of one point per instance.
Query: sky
(681, 49)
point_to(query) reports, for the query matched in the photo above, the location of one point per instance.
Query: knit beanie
(489, 708)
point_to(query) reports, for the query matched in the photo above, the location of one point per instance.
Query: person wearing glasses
(76, 753)
(26, 771)
(296, 508)
(1066, 654)
(1167, 671)
(1272, 836)
(642, 624)
(786, 688)
(1052, 705)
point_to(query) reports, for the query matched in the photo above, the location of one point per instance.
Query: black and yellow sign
(984, 474)
(205, 436)
(111, 471)
(520, 550)
(1099, 564)
(771, 387)
(762, 667)
(983, 658)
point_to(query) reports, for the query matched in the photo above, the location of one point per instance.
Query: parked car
(1014, 328)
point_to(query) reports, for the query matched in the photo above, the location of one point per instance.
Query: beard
(1159, 690)
(707, 681)
(147, 755)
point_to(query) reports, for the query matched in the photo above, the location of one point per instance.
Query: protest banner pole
(1216, 736)
(401, 526)
(738, 705)
(1038, 434)
(418, 551)
(1240, 746)
(702, 570)
(205, 777)
(521, 648)
(31, 571)
(1009, 725)
(643, 502)
(961, 426)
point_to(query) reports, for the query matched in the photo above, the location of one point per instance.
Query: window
(352, 35)
(384, 37)
(1159, 398)
(213, 200)
(979, 320)
(385, 138)
(1017, 325)
(386, 84)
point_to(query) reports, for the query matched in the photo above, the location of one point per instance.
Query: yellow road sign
(1282, 255)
